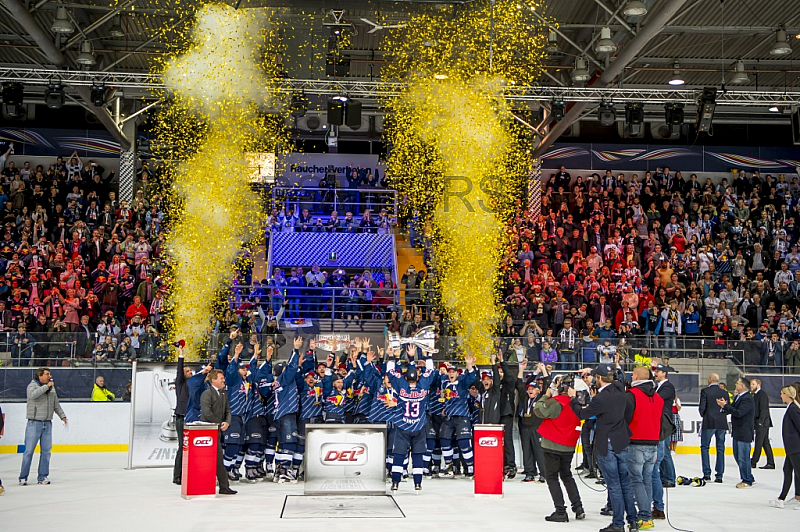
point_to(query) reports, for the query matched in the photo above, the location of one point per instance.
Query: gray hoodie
(42, 402)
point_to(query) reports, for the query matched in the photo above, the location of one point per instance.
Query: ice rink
(95, 492)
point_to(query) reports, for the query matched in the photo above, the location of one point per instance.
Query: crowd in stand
(80, 267)
(659, 261)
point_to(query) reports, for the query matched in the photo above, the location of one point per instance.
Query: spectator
(99, 392)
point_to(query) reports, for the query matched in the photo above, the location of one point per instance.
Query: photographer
(645, 426)
(612, 439)
(560, 431)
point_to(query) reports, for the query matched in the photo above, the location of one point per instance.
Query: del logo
(343, 454)
(489, 441)
(203, 441)
(186, 441)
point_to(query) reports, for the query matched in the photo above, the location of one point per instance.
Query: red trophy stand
(199, 477)
(488, 460)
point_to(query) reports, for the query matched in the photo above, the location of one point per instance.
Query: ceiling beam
(647, 31)
(54, 55)
(710, 30)
(97, 23)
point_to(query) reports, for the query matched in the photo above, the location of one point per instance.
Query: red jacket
(645, 424)
(566, 428)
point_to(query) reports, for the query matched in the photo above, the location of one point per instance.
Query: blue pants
(662, 454)
(614, 467)
(640, 466)
(705, 442)
(40, 432)
(667, 470)
(741, 452)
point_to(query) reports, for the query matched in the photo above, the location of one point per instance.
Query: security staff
(763, 422)
(560, 430)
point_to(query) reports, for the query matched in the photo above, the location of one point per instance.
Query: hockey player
(456, 424)
(256, 424)
(284, 389)
(384, 405)
(197, 385)
(235, 384)
(363, 392)
(335, 405)
(433, 457)
(412, 394)
(310, 391)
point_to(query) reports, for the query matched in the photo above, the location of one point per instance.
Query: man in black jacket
(215, 408)
(529, 393)
(714, 424)
(664, 463)
(494, 389)
(763, 422)
(182, 395)
(612, 439)
(742, 417)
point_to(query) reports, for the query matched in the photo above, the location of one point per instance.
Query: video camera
(572, 380)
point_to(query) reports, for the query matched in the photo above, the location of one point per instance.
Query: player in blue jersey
(384, 405)
(284, 389)
(236, 386)
(256, 425)
(336, 400)
(412, 400)
(197, 384)
(456, 424)
(363, 393)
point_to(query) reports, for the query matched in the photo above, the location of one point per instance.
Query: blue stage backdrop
(641, 158)
(360, 250)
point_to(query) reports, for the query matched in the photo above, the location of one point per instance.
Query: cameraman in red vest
(645, 426)
(560, 430)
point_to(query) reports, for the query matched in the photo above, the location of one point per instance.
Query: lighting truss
(372, 90)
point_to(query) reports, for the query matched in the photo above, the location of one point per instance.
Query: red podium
(199, 476)
(488, 460)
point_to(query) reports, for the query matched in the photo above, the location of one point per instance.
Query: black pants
(558, 465)
(532, 454)
(762, 440)
(508, 435)
(177, 471)
(791, 470)
(222, 473)
(586, 443)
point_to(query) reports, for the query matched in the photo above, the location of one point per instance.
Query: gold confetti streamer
(457, 152)
(218, 89)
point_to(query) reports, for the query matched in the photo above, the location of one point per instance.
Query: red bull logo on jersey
(487, 441)
(343, 454)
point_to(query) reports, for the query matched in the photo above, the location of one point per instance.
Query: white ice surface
(94, 492)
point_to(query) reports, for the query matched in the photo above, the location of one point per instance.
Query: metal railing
(76, 349)
(342, 200)
(72, 384)
(330, 302)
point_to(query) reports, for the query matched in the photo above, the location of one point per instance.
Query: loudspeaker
(796, 127)
(336, 112)
(352, 114)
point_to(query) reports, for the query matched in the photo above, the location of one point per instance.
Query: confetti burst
(457, 152)
(218, 86)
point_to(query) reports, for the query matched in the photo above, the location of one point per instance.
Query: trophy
(423, 338)
(165, 387)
